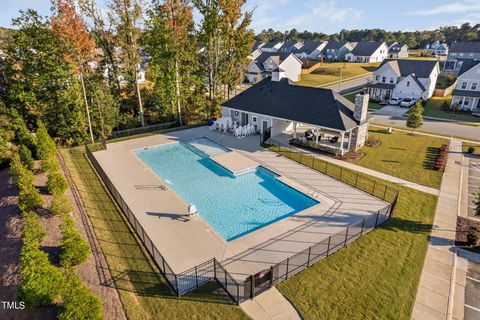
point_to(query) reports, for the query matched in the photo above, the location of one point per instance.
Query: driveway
(392, 111)
(473, 184)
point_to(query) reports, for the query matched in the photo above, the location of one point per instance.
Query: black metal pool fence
(213, 270)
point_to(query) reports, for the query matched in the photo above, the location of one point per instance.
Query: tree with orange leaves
(70, 27)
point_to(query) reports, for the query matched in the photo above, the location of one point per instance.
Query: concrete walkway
(270, 305)
(282, 138)
(437, 282)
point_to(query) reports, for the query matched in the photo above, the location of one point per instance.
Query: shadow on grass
(151, 284)
(431, 158)
(398, 224)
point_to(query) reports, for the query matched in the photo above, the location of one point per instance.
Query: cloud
(469, 7)
(325, 15)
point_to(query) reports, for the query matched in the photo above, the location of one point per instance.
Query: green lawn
(142, 290)
(439, 107)
(404, 156)
(377, 276)
(371, 105)
(330, 72)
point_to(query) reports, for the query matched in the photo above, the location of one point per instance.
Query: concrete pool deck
(186, 242)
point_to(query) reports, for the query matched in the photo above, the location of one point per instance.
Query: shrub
(476, 202)
(74, 248)
(472, 237)
(56, 183)
(49, 164)
(29, 198)
(78, 301)
(60, 205)
(32, 229)
(45, 145)
(26, 157)
(471, 150)
(16, 167)
(40, 280)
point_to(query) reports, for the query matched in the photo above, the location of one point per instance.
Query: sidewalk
(437, 282)
(270, 305)
(370, 172)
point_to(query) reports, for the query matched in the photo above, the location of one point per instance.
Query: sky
(327, 16)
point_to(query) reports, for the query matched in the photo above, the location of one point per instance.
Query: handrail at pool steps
(212, 270)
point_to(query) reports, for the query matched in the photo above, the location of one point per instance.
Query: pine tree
(415, 117)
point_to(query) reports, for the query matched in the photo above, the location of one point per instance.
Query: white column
(342, 141)
(294, 130)
(316, 138)
(349, 140)
(463, 102)
(473, 104)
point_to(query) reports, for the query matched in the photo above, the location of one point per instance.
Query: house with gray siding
(460, 52)
(336, 50)
(268, 62)
(466, 95)
(311, 50)
(398, 51)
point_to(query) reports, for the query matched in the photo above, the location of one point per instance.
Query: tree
(74, 248)
(45, 145)
(415, 117)
(38, 83)
(125, 17)
(26, 157)
(477, 203)
(173, 48)
(60, 205)
(56, 183)
(71, 29)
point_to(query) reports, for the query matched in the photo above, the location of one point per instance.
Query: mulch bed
(373, 142)
(353, 156)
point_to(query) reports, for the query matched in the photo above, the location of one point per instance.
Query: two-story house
(398, 51)
(368, 51)
(466, 95)
(414, 79)
(437, 48)
(460, 52)
(311, 50)
(336, 50)
(267, 62)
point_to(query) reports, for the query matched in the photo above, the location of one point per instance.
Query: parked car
(394, 101)
(407, 102)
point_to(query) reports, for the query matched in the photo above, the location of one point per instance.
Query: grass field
(377, 276)
(404, 156)
(143, 292)
(439, 107)
(371, 105)
(330, 72)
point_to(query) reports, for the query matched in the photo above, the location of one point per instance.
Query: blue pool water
(233, 205)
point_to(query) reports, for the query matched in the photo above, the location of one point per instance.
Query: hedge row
(78, 301)
(74, 248)
(29, 196)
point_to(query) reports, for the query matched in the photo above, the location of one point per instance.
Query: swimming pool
(233, 205)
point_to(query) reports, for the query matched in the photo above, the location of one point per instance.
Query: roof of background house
(316, 106)
(391, 43)
(467, 65)
(397, 47)
(309, 47)
(272, 44)
(335, 45)
(366, 48)
(404, 67)
(465, 47)
(257, 45)
(278, 57)
(288, 45)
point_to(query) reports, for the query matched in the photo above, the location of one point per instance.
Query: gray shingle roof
(257, 45)
(265, 55)
(396, 48)
(315, 106)
(271, 44)
(421, 68)
(288, 45)
(309, 47)
(465, 47)
(335, 45)
(366, 48)
(467, 65)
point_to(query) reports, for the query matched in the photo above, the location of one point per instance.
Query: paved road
(435, 126)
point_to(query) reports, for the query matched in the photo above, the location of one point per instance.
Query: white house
(311, 50)
(437, 48)
(467, 92)
(267, 62)
(282, 109)
(368, 51)
(398, 51)
(272, 46)
(414, 79)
